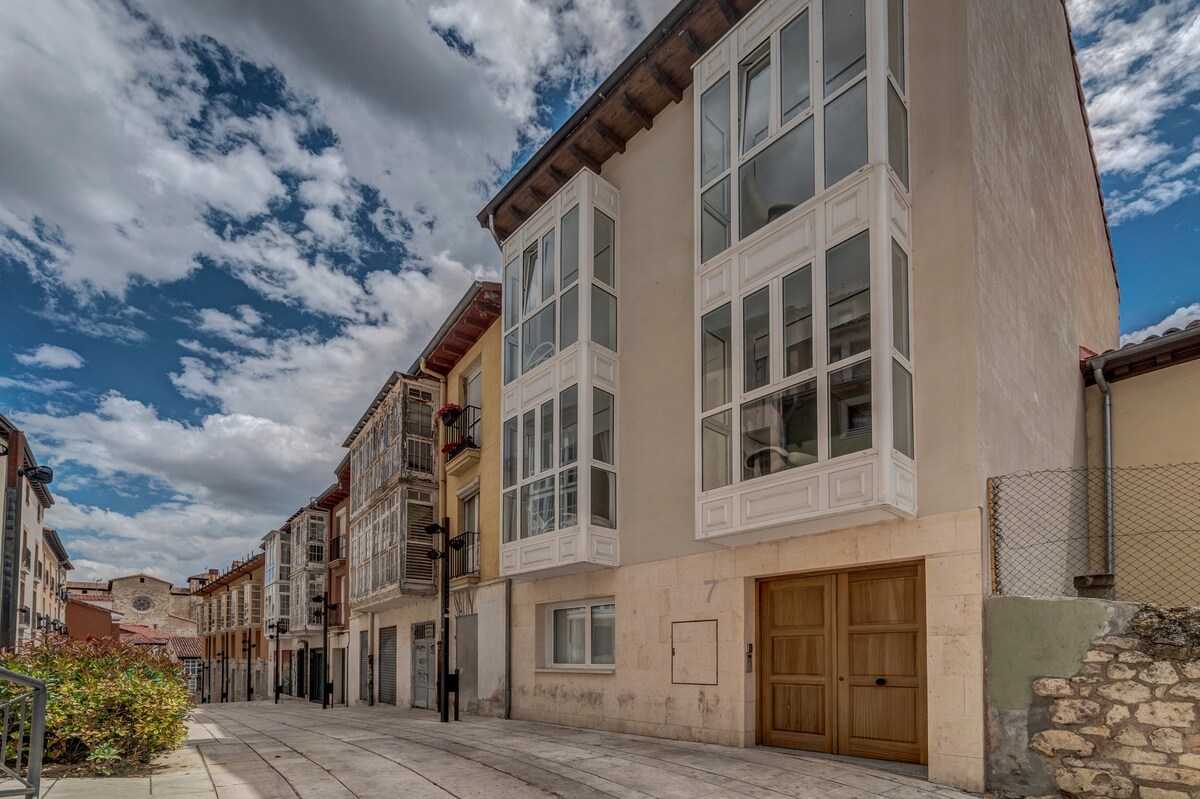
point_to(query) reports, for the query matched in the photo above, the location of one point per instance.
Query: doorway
(842, 663)
(424, 681)
(316, 674)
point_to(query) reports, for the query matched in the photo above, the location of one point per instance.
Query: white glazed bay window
(559, 402)
(581, 634)
(804, 362)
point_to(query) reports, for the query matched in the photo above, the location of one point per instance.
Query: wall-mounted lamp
(37, 474)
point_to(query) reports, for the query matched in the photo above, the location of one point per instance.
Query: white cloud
(1139, 66)
(105, 192)
(1178, 319)
(35, 385)
(50, 356)
(170, 540)
(244, 462)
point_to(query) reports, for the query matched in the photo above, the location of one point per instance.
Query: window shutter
(255, 605)
(418, 568)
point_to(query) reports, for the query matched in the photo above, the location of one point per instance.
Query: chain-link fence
(1077, 532)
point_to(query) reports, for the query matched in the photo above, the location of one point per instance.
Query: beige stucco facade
(1011, 274)
(1155, 450)
(1150, 418)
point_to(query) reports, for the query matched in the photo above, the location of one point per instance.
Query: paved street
(266, 751)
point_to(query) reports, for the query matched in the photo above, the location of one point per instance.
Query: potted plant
(448, 414)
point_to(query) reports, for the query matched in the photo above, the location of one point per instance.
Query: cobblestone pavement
(294, 749)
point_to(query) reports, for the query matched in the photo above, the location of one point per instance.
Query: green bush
(108, 703)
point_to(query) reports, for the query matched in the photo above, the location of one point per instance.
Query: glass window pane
(529, 444)
(716, 342)
(900, 330)
(568, 332)
(777, 180)
(509, 446)
(548, 253)
(714, 131)
(794, 82)
(850, 409)
(779, 431)
(537, 499)
(604, 634)
(902, 409)
(570, 627)
(509, 517)
(896, 41)
(602, 426)
(604, 498)
(547, 435)
(512, 291)
(756, 338)
(716, 443)
(570, 246)
(845, 41)
(846, 134)
(604, 318)
(531, 285)
(537, 338)
(848, 280)
(568, 498)
(756, 99)
(714, 220)
(797, 322)
(897, 135)
(512, 359)
(604, 248)
(568, 419)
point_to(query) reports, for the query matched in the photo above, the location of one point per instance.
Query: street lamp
(223, 659)
(248, 645)
(278, 628)
(444, 614)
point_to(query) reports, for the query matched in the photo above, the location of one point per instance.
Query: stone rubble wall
(1126, 725)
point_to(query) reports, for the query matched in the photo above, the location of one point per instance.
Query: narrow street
(266, 751)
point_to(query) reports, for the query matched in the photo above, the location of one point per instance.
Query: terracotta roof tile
(187, 646)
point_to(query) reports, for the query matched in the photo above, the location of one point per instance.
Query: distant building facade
(22, 510)
(235, 667)
(141, 599)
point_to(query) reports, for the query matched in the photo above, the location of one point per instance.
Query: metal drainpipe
(492, 229)
(1109, 515)
(371, 659)
(508, 648)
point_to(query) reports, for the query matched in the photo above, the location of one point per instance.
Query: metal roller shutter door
(387, 665)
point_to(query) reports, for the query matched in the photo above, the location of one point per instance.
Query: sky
(222, 226)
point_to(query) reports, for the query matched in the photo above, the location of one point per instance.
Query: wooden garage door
(842, 663)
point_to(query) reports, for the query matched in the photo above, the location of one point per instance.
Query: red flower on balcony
(448, 413)
(452, 448)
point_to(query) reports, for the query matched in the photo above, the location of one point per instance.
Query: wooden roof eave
(651, 78)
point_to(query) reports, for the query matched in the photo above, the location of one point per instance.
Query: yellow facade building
(465, 355)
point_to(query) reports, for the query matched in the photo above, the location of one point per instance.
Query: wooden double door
(842, 663)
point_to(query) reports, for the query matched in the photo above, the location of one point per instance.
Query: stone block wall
(1125, 725)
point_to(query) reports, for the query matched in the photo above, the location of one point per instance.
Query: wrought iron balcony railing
(463, 433)
(465, 562)
(337, 548)
(24, 734)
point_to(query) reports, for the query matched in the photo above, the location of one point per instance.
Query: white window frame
(587, 665)
(880, 205)
(738, 53)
